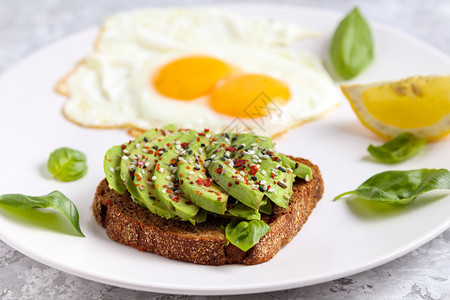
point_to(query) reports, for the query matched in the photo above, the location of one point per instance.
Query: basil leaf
(55, 199)
(67, 164)
(245, 235)
(401, 187)
(352, 48)
(402, 147)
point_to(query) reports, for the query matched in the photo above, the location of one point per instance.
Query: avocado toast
(205, 198)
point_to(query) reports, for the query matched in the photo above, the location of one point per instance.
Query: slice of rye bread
(128, 223)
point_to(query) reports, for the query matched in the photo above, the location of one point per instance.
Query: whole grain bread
(130, 224)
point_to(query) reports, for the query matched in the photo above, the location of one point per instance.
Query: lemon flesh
(420, 105)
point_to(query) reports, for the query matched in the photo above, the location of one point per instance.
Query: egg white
(112, 88)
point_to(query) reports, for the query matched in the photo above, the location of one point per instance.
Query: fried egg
(198, 68)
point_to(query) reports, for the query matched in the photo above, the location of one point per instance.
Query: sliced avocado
(266, 206)
(194, 180)
(299, 169)
(166, 183)
(131, 157)
(243, 211)
(111, 166)
(221, 169)
(145, 175)
(254, 157)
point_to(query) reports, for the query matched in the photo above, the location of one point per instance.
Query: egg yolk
(248, 95)
(191, 77)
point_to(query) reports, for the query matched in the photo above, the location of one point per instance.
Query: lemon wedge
(419, 104)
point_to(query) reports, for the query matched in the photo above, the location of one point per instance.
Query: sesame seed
(154, 177)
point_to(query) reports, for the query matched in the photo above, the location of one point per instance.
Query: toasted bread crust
(128, 223)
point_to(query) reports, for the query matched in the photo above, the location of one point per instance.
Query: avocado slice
(194, 180)
(111, 166)
(253, 157)
(241, 210)
(131, 156)
(166, 183)
(221, 169)
(145, 175)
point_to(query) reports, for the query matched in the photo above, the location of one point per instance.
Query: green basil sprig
(67, 164)
(352, 47)
(401, 187)
(55, 199)
(245, 235)
(402, 147)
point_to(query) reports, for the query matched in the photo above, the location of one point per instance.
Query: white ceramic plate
(339, 239)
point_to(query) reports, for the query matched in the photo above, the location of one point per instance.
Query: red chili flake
(187, 167)
(187, 178)
(139, 178)
(123, 147)
(239, 162)
(272, 175)
(213, 139)
(151, 151)
(208, 182)
(206, 130)
(198, 139)
(253, 170)
(181, 181)
(201, 134)
(236, 182)
(200, 181)
(164, 186)
(231, 149)
(268, 187)
(275, 158)
(184, 145)
(163, 132)
(219, 198)
(188, 202)
(181, 174)
(219, 170)
(191, 182)
(230, 184)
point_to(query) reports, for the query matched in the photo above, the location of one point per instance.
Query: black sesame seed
(190, 152)
(296, 165)
(240, 147)
(243, 154)
(203, 145)
(261, 188)
(278, 159)
(132, 174)
(234, 138)
(222, 158)
(220, 166)
(227, 135)
(155, 147)
(282, 184)
(226, 156)
(282, 169)
(197, 168)
(247, 149)
(145, 139)
(253, 178)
